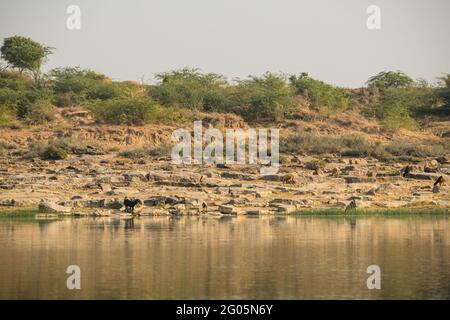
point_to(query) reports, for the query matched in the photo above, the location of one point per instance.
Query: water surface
(229, 258)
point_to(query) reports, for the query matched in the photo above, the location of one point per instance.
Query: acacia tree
(25, 54)
(390, 79)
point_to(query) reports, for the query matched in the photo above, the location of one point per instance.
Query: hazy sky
(327, 38)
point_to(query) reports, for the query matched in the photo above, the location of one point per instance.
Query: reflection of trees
(195, 257)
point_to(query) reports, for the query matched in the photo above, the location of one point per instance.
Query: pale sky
(131, 39)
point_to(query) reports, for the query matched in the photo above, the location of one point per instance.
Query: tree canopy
(390, 79)
(25, 54)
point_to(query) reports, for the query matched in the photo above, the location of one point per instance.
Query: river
(267, 257)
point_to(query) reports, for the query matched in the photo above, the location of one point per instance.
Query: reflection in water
(243, 257)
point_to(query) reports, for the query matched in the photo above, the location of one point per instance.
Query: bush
(320, 94)
(419, 149)
(6, 114)
(400, 107)
(74, 86)
(314, 165)
(53, 153)
(344, 145)
(163, 150)
(267, 98)
(137, 111)
(131, 111)
(169, 115)
(191, 89)
(322, 144)
(39, 112)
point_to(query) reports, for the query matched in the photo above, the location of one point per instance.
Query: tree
(25, 54)
(390, 79)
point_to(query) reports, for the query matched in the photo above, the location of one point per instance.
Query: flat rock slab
(354, 179)
(422, 176)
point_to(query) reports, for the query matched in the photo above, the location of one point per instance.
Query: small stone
(106, 187)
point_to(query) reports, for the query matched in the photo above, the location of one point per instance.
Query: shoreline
(323, 212)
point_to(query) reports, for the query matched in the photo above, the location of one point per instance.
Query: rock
(163, 200)
(106, 187)
(227, 209)
(238, 201)
(436, 189)
(285, 208)
(277, 201)
(355, 179)
(113, 203)
(443, 160)
(317, 172)
(135, 176)
(256, 211)
(335, 172)
(422, 176)
(430, 169)
(237, 175)
(341, 204)
(101, 213)
(95, 203)
(262, 193)
(50, 207)
(272, 177)
(8, 202)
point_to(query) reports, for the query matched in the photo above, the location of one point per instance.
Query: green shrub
(52, 152)
(131, 111)
(137, 111)
(191, 89)
(74, 86)
(401, 107)
(6, 114)
(321, 144)
(39, 112)
(344, 145)
(162, 150)
(320, 94)
(169, 115)
(46, 150)
(419, 149)
(266, 98)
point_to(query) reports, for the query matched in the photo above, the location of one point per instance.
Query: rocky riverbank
(96, 184)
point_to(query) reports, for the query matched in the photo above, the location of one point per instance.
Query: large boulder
(50, 207)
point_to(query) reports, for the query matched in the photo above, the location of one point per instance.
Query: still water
(227, 258)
